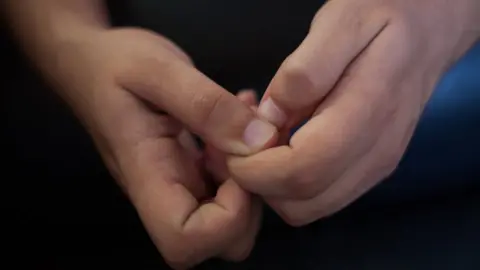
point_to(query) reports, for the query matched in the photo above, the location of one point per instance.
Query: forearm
(42, 26)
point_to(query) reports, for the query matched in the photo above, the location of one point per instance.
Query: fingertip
(248, 96)
(270, 111)
(241, 248)
(232, 197)
(266, 173)
(259, 135)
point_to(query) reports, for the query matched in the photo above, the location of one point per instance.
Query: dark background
(62, 210)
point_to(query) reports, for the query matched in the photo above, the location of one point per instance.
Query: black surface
(61, 210)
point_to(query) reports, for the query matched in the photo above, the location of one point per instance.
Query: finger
(272, 172)
(372, 168)
(216, 159)
(189, 144)
(347, 188)
(218, 224)
(336, 137)
(185, 232)
(172, 47)
(397, 121)
(215, 163)
(207, 109)
(243, 245)
(340, 32)
(248, 97)
(356, 181)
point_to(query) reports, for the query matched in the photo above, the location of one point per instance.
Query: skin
(361, 79)
(141, 97)
(365, 71)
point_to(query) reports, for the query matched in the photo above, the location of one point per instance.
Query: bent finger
(166, 187)
(215, 160)
(335, 138)
(339, 33)
(206, 108)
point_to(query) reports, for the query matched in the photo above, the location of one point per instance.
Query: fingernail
(272, 112)
(258, 133)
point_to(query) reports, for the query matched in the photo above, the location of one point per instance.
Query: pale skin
(361, 78)
(117, 81)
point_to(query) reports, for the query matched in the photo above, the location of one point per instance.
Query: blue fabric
(443, 155)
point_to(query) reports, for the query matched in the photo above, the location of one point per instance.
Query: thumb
(215, 160)
(204, 107)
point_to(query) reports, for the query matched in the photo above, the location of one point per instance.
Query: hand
(140, 96)
(216, 160)
(361, 77)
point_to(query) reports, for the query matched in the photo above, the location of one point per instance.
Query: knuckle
(383, 9)
(298, 215)
(303, 181)
(237, 221)
(296, 222)
(243, 254)
(293, 217)
(240, 255)
(389, 159)
(391, 14)
(176, 250)
(401, 26)
(240, 220)
(177, 257)
(305, 186)
(144, 63)
(207, 105)
(296, 74)
(291, 212)
(136, 72)
(295, 69)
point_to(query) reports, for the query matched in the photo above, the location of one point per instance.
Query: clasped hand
(360, 78)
